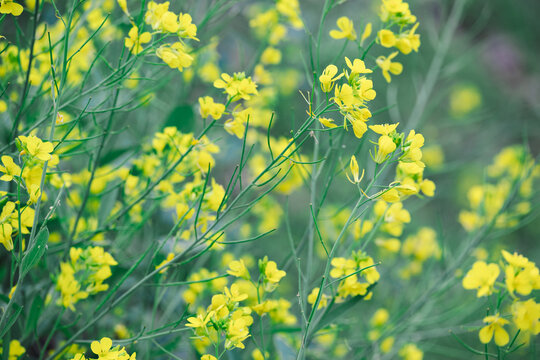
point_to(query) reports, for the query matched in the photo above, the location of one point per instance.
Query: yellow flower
(346, 29)
(357, 67)
(386, 38)
(175, 56)
(326, 122)
(494, 327)
(16, 350)
(312, 298)
(464, 99)
(526, 316)
(33, 146)
(482, 277)
(237, 268)
(10, 7)
(355, 171)
(380, 317)
(408, 41)
(387, 66)
(272, 273)
(257, 355)
(9, 169)
(135, 40)
(328, 78)
(522, 280)
(169, 22)
(153, 15)
(271, 56)
(515, 259)
(411, 352)
(387, 344)
(5, 227)
(208, 357)
(169, 258)
(209, 108)
(187, 29)
(102, 347)
(237, 86)
(200, 321)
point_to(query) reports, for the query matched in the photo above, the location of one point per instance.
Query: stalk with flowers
(166, 193)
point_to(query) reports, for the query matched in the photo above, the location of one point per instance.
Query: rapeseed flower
(481, 277)
(494, 328)
(388, 67)
(346, 29)
(10, 7)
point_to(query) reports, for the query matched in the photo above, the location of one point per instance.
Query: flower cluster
(224, 319)
(521, 277)
(419, 247)
(351, 97)
(83, 275)
(104, 350)
(512, 167)
(356, 276)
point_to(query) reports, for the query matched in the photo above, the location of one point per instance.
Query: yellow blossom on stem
(210, 108)
(481, 277)
(346, 29)
(33, 146)
(237, 86)
(387, 66)
(357, 67)
(237, 268)
(272, 273)
(355, 171)
(326, 122)
(408, 41)
(187, 28)
(328, 78)
(134, 41)
(386, 38)
(10, 169)
(494, 328)
(10, 7)
(526, 316)
(312, 298)
(175, 56)
(6, 229)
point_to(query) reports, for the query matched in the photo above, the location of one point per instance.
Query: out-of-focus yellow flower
(346, 29)
(271, 56)
(464, 99)
(411, 352)
(386, 38)
(209, 108)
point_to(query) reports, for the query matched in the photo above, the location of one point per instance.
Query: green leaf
(34, 254)
(182, 117)
(33, 316)
(11, 320)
